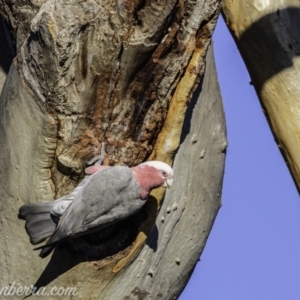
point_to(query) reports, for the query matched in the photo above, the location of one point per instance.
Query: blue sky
(253, 251)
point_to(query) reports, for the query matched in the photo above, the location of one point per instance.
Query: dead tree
(126, 73)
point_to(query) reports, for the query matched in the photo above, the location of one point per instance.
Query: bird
(105, 196)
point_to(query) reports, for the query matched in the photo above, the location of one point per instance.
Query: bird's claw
(99, 158)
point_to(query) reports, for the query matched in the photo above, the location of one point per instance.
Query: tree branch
(267, 35)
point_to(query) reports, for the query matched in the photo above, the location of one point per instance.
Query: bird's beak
(168, 183)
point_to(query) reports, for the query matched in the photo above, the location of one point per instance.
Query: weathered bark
(85, 74)
(165, 264)
(267, 35)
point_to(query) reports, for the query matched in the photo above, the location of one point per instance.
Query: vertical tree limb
(267, 35)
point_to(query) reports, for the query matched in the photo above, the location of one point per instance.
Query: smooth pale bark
(267, 34)
(86, 74)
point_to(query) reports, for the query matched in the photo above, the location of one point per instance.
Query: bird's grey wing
(60, 205)
(114, 207)
(109, 199)
(110, 195)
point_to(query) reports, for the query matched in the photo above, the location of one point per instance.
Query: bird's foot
(98, 160)
(98, 163)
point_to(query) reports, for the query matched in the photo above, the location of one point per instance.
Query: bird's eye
(164, 173)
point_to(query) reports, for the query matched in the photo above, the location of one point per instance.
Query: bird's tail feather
(46, 250)
(39, 224)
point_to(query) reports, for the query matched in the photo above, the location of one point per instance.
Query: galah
(105, 196)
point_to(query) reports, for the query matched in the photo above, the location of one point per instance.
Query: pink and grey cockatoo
(105, 196)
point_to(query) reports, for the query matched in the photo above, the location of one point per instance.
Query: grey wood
(87, 72)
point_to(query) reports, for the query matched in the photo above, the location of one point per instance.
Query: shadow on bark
(104, 244)
(265, 33)
(189, 112)
(7, 49)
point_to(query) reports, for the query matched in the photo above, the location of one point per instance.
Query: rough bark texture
(267, 34)
(188, 211)
(84, 74)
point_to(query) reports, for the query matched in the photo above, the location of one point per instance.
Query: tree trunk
(87, 72)
(267, 35)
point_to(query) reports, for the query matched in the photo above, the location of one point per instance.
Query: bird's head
(165, 171)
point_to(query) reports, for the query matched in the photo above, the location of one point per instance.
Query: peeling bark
(123, 73)
(267, 35)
